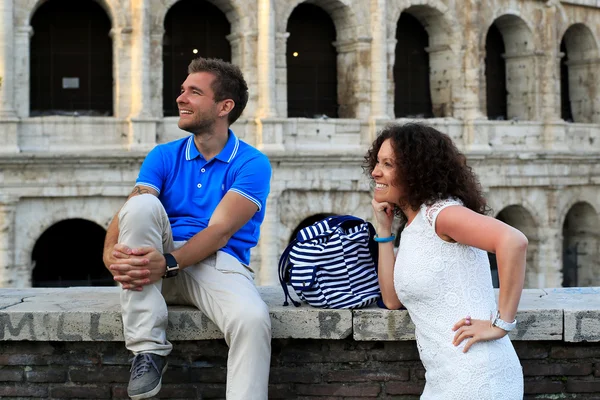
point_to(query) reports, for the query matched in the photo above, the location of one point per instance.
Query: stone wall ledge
(93, 314)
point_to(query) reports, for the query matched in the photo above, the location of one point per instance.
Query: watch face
(171, 272)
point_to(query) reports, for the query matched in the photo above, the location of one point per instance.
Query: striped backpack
(332, 264)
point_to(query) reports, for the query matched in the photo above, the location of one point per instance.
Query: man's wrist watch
(500, 323)
(172, 266)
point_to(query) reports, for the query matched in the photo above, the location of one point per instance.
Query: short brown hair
(229, 83)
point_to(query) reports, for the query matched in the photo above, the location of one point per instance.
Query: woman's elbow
(392, 304)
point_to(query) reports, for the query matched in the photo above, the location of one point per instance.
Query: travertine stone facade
(540, 173)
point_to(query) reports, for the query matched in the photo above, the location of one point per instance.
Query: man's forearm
(200, 246)
(112, 237)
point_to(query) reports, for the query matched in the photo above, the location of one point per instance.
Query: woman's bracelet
(385, 239)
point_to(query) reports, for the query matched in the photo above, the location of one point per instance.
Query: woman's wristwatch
(500, 323)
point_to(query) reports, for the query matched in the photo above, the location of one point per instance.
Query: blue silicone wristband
(385, 239)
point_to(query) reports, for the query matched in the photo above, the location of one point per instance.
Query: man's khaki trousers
(219, 286)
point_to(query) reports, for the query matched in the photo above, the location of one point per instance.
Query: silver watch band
(500, 323)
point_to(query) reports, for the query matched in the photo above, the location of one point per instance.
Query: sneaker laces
(141, 364)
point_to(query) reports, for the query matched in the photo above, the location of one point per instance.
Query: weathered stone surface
(82, 314)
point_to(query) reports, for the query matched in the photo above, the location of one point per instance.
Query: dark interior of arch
(565, 101)
(412, 94)
(192, 29)
(495, 75)
(308, 222)
(71, 59)
(311, 63)
(69, 253)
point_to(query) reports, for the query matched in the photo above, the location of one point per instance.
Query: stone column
(8, 206)
(266, 60)
(142, 125)
(379, 68)
(7, 57)
(471, 94)
(22, 74)
(269, 243)
(121, 44)
(379, 63)
(281, 73)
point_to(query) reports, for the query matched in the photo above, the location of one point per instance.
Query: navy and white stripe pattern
(331, 265)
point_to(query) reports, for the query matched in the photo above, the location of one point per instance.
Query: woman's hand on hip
(475, 330)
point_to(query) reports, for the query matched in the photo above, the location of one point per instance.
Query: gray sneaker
(146, 375)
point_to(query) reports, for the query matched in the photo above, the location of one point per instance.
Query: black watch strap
(172, 266)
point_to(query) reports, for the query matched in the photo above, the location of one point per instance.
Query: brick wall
(301, 369)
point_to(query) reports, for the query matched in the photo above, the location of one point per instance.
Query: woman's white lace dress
(439, 283)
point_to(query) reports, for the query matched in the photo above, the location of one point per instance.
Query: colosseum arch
(349, 48)
(295, 206)
(192, 29)
(35, 215)
(519, 66)
(159, 11)
(71, 68)
(24, 13)
(581, 246)
(63, 259)
(440, 27)
(520, 218)
(580, 85)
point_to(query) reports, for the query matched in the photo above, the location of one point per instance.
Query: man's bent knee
(142, 206)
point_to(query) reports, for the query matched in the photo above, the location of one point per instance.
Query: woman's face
(384, 175)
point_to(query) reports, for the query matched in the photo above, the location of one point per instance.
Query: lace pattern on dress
(432, 211)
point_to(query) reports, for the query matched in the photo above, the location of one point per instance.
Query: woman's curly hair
(429, 167)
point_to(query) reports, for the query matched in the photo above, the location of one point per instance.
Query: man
(185, 233)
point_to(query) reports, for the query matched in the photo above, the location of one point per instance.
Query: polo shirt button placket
(199, 185)
(203, 170)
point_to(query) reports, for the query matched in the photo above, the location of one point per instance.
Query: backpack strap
(283, 264)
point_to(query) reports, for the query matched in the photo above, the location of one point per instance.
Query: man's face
(197, 107)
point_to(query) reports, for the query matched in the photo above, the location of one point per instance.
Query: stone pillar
(21, 55)
(391, 88)
(266, 60)
(121, 42)
(7, 57)
(550, 258)
(269, 129)
(379, 69)
(281, 73)
(156, 71)
(269, 243)
(470, 97)
(8, 206)
(379, 62)
(354, 94)
(142, 125)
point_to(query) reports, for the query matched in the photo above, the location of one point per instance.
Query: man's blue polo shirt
(190, 188)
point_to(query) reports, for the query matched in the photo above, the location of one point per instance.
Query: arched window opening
(519, 218)
(69, 253)
(565, 102)
(495, 75)
(412, 96)
(581, 247)
(71, 59)
(308, 222)
(578, 78)
(311, 64)
(192, 29)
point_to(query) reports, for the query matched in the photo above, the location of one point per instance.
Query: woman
(441, 273)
